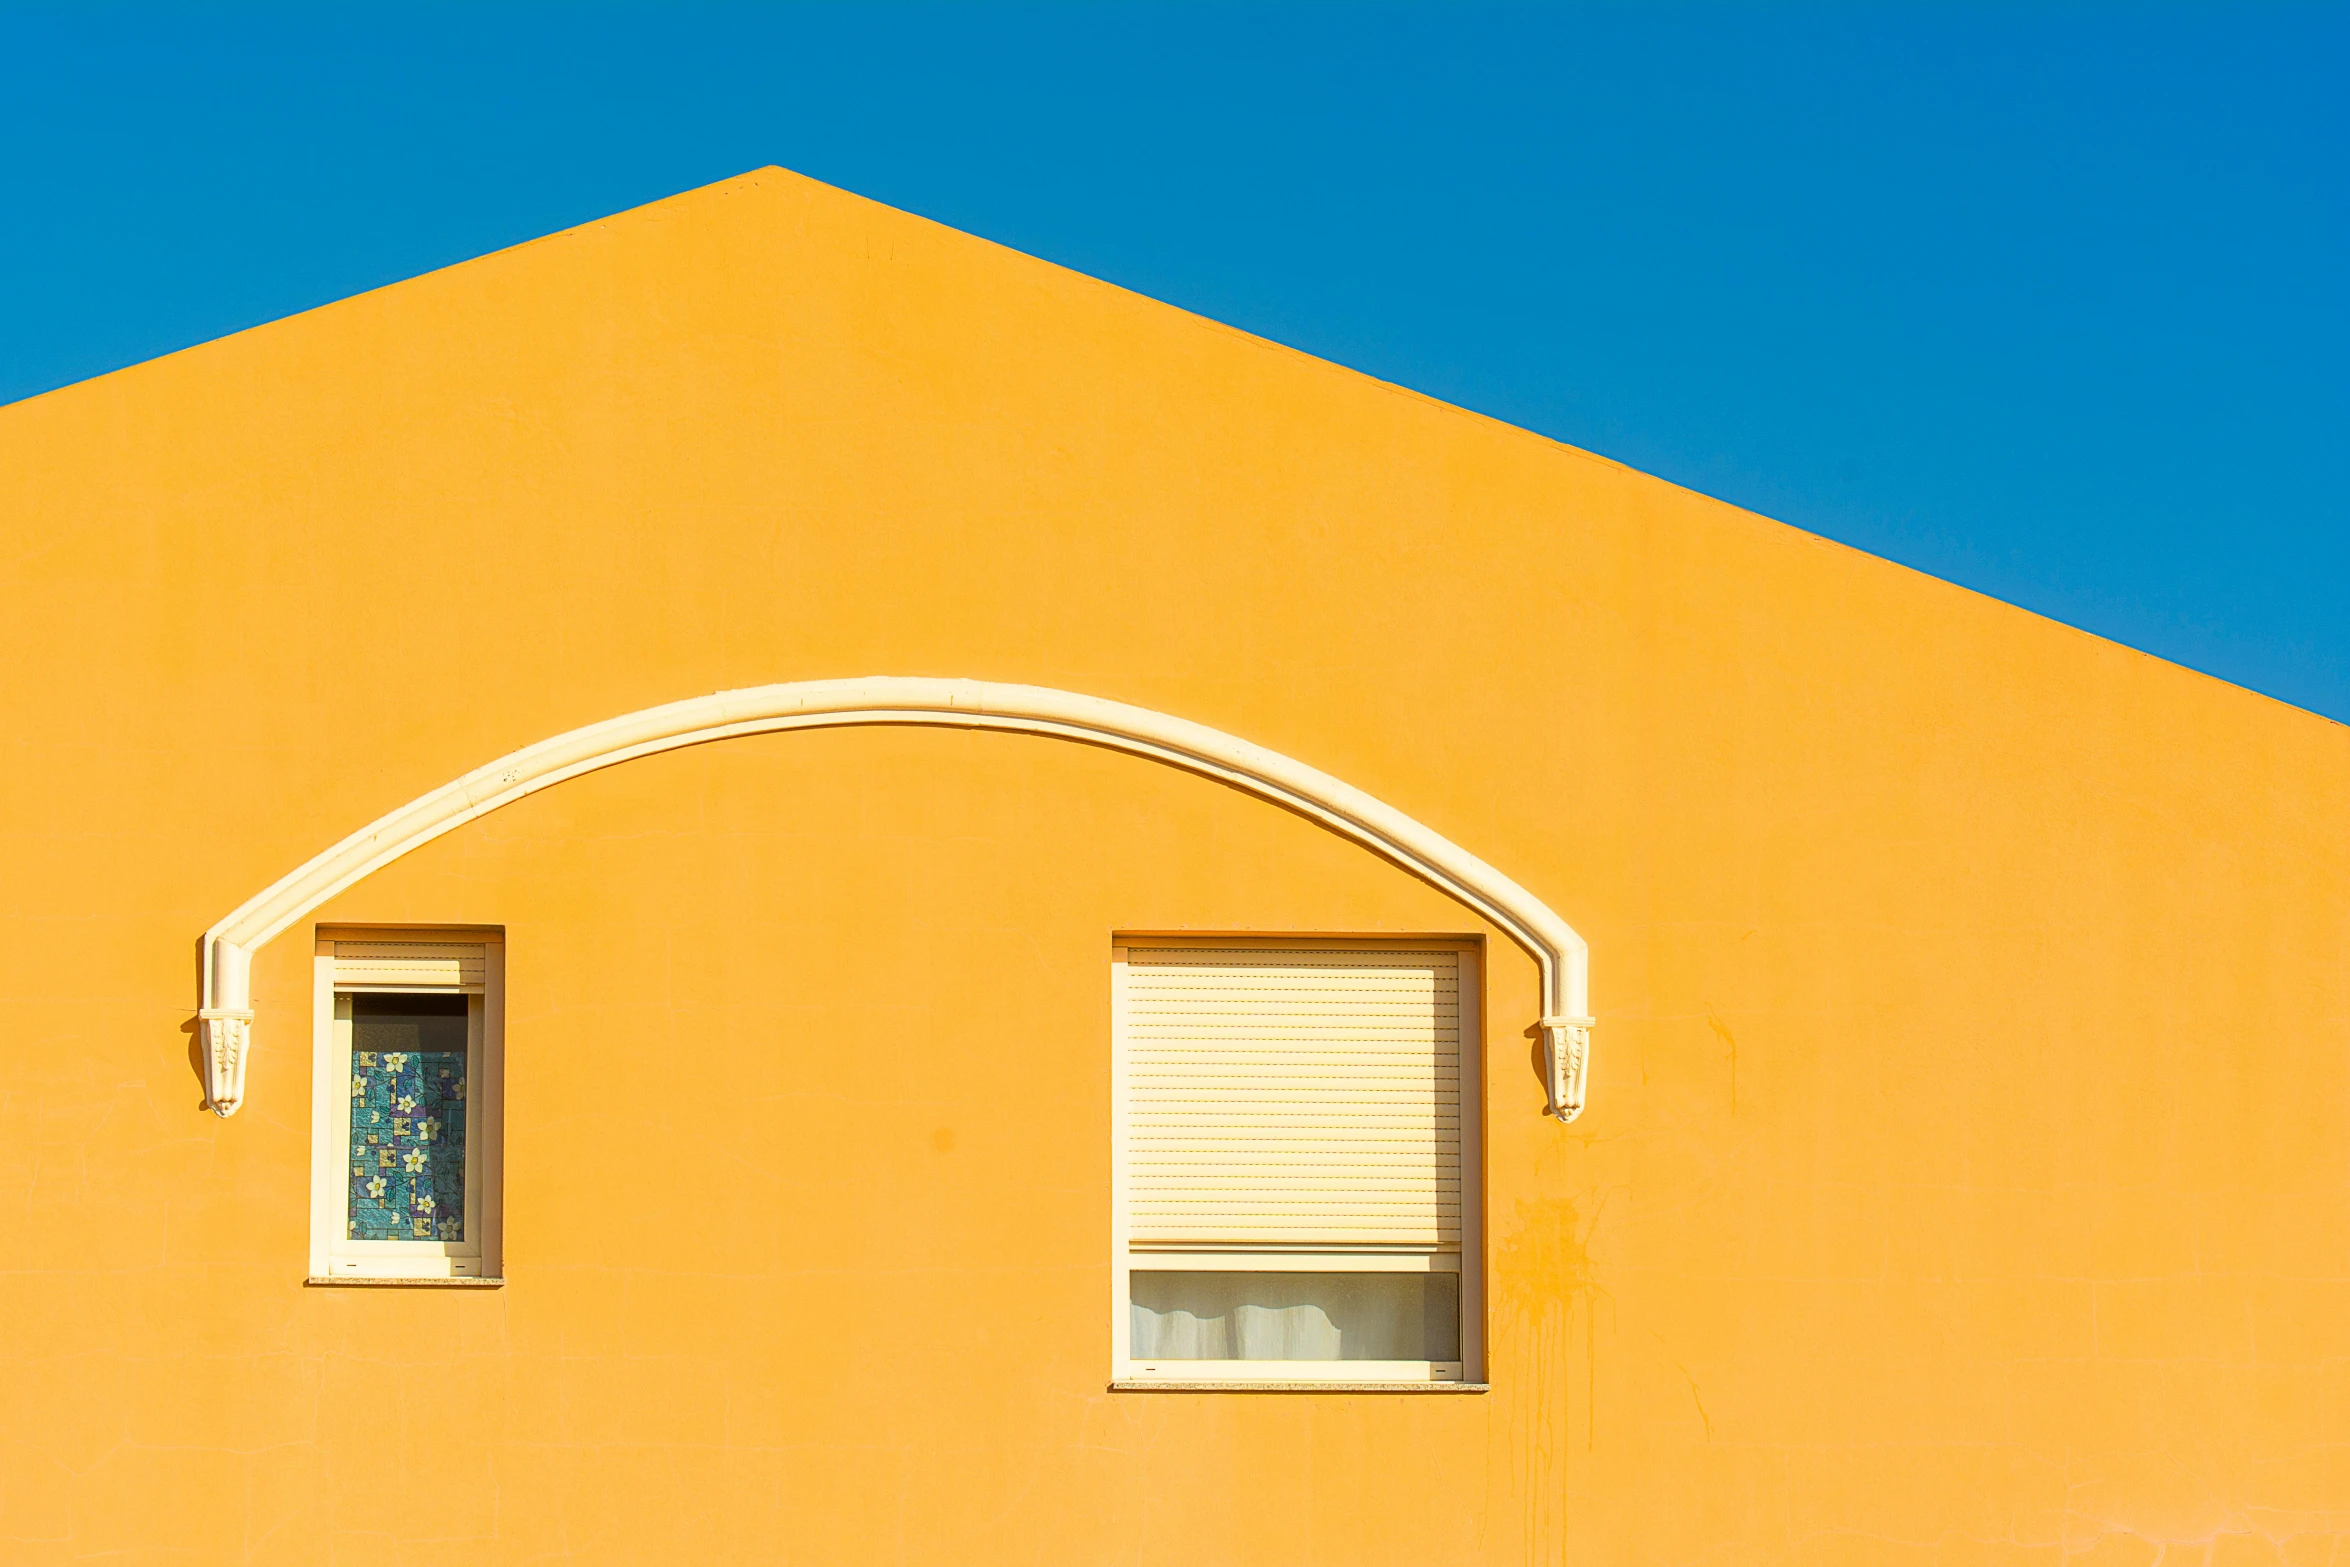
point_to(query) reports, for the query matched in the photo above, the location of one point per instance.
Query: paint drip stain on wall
(1545, 1284)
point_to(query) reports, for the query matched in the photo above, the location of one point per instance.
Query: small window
(404, 1170)
(1296, 1199)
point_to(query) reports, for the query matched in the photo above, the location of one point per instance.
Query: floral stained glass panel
(407, 1118)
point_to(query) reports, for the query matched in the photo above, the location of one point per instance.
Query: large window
(404, 1178)
(1296, 1198)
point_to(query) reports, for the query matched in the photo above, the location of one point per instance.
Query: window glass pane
(1296, 1316)
(407, 1118)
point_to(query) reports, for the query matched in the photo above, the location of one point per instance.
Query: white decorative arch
(226, 1014)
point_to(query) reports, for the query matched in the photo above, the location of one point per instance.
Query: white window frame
(334, 1257)
(1128, 1257)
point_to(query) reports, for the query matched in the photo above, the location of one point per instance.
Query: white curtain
(1295, 1316)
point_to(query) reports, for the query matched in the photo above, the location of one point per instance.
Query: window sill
(1168, 1385)
(353, 1280)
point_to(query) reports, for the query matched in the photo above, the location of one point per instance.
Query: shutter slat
(1293, 1095)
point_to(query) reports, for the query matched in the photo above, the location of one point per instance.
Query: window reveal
(1295, 1126)
(406, 1156)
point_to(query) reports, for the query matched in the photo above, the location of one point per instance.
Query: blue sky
(2048, 301)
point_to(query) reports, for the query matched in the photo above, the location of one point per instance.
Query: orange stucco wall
(1967, 1173)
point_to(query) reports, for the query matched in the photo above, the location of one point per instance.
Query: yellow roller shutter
(408, 965)
(1292, 1095)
